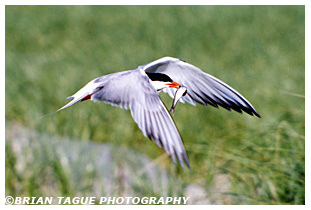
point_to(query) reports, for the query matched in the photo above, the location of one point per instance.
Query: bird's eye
(100, 87)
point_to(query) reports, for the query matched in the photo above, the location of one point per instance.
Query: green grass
(52, 51)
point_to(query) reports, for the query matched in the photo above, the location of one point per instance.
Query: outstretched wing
(132, 90)
(201, 87)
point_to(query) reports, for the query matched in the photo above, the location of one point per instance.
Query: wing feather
(202, 88)
(133, 90)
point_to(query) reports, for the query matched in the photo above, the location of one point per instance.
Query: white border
(161, 2)
(152, 2)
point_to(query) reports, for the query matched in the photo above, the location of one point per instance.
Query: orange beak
(174, 85)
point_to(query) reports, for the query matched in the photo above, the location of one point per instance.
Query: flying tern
(138, 89)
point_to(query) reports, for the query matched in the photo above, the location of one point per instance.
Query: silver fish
(180, 92)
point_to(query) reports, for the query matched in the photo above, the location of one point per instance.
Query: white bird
(137, 90)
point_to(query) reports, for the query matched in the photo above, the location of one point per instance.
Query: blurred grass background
(52, 51)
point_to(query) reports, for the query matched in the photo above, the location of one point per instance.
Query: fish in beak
(180, 92)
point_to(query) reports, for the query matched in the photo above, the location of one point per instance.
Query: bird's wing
(132, 90)
(201, 87)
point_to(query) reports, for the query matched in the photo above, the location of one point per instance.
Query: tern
(138, 89)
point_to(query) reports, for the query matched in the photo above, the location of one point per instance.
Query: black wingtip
(257, 114)
(252, 113)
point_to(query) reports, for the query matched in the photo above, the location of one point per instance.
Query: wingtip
(181, 162)
(253, 111)
(187, 164)
(186, 160)
(182, 159)
(257, 114)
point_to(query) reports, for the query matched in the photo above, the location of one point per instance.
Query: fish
(180, 92)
